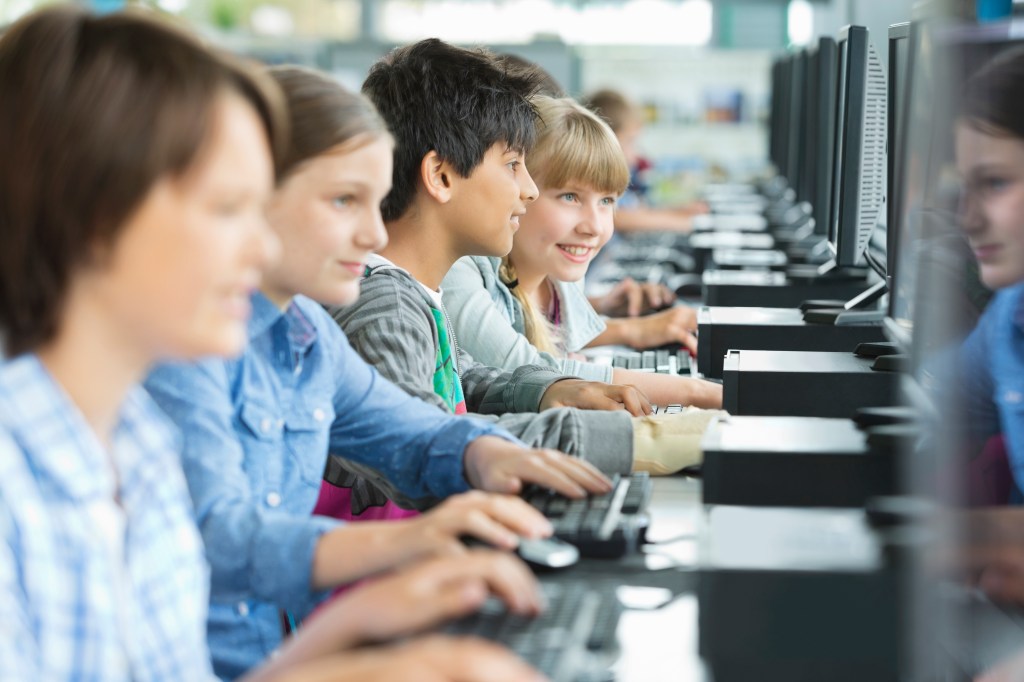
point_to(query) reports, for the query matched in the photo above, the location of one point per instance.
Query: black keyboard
(601, 526)
(570, 642)
(658, 361)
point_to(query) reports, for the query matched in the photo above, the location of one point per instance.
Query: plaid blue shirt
(91, 589)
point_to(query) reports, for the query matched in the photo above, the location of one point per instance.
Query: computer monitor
(858, 179)
(899, 58)
(821, 130)
(912, 154)
(783, 96)
(775, 134)
(796, 134)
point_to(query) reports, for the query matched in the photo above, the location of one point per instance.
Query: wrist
(383, 545)
(620, 332)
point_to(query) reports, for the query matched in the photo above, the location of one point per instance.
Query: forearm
(617, 332)
(358, 550)
(668, 389)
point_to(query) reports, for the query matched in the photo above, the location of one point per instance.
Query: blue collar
(300, 330)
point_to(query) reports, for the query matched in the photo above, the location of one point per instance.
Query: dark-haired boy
(462, 123)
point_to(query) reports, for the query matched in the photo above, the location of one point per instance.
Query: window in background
(639, 22)
(800, 22)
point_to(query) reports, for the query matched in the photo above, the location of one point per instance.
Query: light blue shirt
(992, 360)
(257, 432)
(102, 576)
(489, 324)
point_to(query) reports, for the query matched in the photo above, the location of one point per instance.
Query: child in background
(131, 194)
(527, 307)
(258, 429)
(460, 187)
(634, 214)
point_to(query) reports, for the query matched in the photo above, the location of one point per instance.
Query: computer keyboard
(569, 642)
(657, 361)
(601, 526)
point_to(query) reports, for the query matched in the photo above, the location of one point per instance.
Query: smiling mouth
(576, 251)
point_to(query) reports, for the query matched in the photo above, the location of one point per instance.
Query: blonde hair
(574, 146)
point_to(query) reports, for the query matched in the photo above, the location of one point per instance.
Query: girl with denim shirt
(258, 429)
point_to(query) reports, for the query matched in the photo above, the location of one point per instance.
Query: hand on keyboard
(673, 325)
(595, 395)
(436, 658)
(608, 525)
(498, 465)
(630, 298)
(424, 594)
(497, 520)
(580, 622)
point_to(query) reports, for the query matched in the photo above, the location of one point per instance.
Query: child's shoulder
(472, 270)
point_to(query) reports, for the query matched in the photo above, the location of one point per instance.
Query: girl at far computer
(528, 308)
(136, 166)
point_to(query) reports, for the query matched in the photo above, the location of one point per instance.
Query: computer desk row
(657, 633)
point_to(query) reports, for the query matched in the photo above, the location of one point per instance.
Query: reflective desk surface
(658, 632)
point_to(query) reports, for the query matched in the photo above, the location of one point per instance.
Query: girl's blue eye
(567, 196)
(608, 201)
(342, 201)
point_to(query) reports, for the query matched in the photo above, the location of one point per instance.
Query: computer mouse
(547, 553)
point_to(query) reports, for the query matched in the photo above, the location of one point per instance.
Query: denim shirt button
(318, 414)
(243, 609)
(273, 500)
(265, 425)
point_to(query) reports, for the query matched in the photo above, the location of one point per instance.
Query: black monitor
(858, 179)
(782, 96)
(821, 129)
(796, 134)
(775, 134)
(899, 59)
(912, 159)
(808, 171)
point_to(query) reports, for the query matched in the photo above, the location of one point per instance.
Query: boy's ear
(436, 175)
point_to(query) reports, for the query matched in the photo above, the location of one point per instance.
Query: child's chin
(346, 294)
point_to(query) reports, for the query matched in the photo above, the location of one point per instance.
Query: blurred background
(700, 68)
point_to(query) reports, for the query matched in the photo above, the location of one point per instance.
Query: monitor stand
(853, 311)
(776, 289)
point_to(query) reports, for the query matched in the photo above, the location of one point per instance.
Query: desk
(661, 645)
